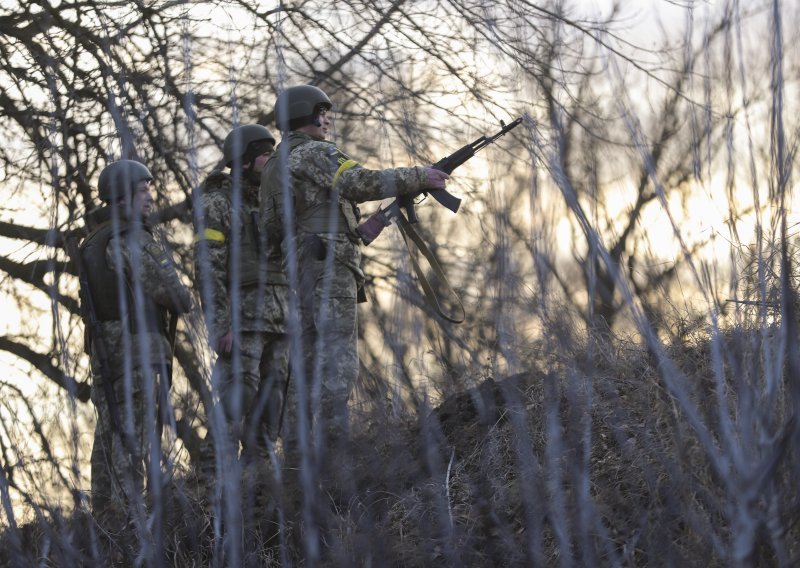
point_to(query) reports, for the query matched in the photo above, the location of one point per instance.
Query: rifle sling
(408, 232)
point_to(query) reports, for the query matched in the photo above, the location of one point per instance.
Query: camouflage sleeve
(271, 201)
(322, 163)
(155, 271)
(216, 233)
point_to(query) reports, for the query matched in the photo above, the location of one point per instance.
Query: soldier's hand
(372, 227)
(225, 344)
(437, 179)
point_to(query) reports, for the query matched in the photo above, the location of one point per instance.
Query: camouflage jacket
(326, 185)
(149, 273)
(262, 308)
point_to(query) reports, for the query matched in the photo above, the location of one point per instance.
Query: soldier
(235, 265)
(134, 295)
(325, 186)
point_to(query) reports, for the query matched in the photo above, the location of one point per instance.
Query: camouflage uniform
(137, 366)
(326, 186)
(261, 342)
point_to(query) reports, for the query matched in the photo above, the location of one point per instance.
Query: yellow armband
(210, 235)
(346, 165)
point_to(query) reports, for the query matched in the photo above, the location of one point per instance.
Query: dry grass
(578, 465)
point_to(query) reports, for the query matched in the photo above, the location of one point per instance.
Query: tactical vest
(250, 248)
(104, 285)
(317, 217)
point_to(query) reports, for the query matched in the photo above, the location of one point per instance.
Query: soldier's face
(142, 199)
(261, 161)
(319, 131)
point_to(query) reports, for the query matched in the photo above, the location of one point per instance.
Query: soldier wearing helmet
(134, 294)
(325, 186)
(235, 265)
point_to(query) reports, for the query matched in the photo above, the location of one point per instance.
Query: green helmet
(246, 142)
(297, 106)
(118, 179)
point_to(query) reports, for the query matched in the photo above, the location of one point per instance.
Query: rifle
(447, 165)
(406, 223)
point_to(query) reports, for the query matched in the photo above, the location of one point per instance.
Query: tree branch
(44, 364)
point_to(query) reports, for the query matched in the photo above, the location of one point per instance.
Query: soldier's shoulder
(216, 209)
(116, 243)
(216, 199)
(152, 246)
(216, 182)
(320, 146)
(319, 149)
(99, 233)
(215, 194)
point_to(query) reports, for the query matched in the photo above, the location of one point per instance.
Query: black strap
(408, 232)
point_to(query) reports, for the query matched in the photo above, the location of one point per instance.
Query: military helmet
(299, 103)
(118, 179)
(246, 142)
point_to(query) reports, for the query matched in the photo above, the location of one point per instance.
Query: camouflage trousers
(329, 319)
(317, 425)
(318, 478)
(126, 454)
(250, 388)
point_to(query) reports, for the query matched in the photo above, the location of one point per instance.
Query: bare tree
(545, 254)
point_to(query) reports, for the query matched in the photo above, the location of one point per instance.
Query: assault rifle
(447, 165)
(410, 235)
